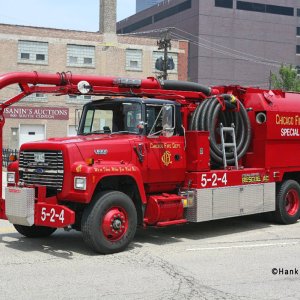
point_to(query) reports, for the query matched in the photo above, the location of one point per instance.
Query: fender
(97, 172)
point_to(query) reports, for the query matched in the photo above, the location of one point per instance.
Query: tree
(286, 79)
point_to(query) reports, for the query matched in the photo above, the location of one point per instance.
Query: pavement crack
(186, 286)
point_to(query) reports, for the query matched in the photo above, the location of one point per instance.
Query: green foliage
(286, 79)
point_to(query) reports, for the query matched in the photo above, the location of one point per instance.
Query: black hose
(209, 115)
(178, 85)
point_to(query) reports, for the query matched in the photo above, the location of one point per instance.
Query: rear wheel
(109, 224)
(288, 202)
(34, 231)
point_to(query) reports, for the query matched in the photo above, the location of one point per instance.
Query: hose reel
(226, 110)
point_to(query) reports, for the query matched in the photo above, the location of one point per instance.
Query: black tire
(109, 223)
(34, 231)
(287, 202)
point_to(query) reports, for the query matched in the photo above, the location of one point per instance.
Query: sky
(63, 14)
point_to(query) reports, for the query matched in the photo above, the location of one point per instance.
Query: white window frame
(77, 55)
(37, 97)
(31, 50)
(134, 55)
(78, 99)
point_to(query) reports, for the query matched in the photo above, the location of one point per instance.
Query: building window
(265, 8)
(33, 52)
(80, 56)
(87, 60)
(38, 97)
(157, 59)
(173, 10)
(251, 6)
(78, 98)
(73, 59)
(224, 3)
(298, 31)
(280, 10)
(298, 49)
(298, 12)
(137, 25)
(25, 56)
(134, 59)
(40, 57)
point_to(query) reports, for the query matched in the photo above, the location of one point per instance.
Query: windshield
(114, 117)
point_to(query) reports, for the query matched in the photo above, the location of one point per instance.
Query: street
(226, 259)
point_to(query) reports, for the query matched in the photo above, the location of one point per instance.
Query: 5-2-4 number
(52, 215)
(213, 179)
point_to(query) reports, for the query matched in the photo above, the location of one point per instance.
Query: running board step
(169, 223)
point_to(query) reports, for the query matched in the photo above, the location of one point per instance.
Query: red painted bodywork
(53, 213)
(164, 208)
(169, 163)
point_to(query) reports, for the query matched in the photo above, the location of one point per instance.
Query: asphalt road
(227, 259)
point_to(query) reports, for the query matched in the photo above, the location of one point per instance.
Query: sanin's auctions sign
(49, 113)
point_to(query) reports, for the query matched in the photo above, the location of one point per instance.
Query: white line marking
(243, 246)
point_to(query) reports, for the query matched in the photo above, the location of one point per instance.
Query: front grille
(48, 171)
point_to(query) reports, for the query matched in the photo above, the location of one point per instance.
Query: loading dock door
(31, 133)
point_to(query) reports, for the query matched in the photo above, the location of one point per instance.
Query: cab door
(165, 151)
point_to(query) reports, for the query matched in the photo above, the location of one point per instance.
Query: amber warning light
(13, 157)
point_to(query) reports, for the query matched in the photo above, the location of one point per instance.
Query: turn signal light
(89, 161)
(13, 157)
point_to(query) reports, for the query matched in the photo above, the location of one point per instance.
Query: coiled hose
(209, 115)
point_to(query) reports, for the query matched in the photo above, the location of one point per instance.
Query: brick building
(231, 41)
(53, 50)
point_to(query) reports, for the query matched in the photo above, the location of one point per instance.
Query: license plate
(39, 157)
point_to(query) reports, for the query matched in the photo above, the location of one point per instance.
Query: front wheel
(288, 202)
(34, 231)
(109, 223)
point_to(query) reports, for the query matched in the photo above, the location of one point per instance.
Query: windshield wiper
(123, 132)
(93, 132)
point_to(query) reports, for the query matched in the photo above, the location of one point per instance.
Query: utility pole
(164, 44)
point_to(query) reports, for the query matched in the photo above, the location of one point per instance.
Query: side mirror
(141, 125)
(78, 113)
(168, 120)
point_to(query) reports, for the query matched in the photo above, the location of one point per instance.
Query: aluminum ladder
(232, 145)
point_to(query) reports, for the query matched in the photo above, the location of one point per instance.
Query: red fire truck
(154, 153)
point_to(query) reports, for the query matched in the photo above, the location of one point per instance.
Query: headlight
(11, 177)
(80, 183)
